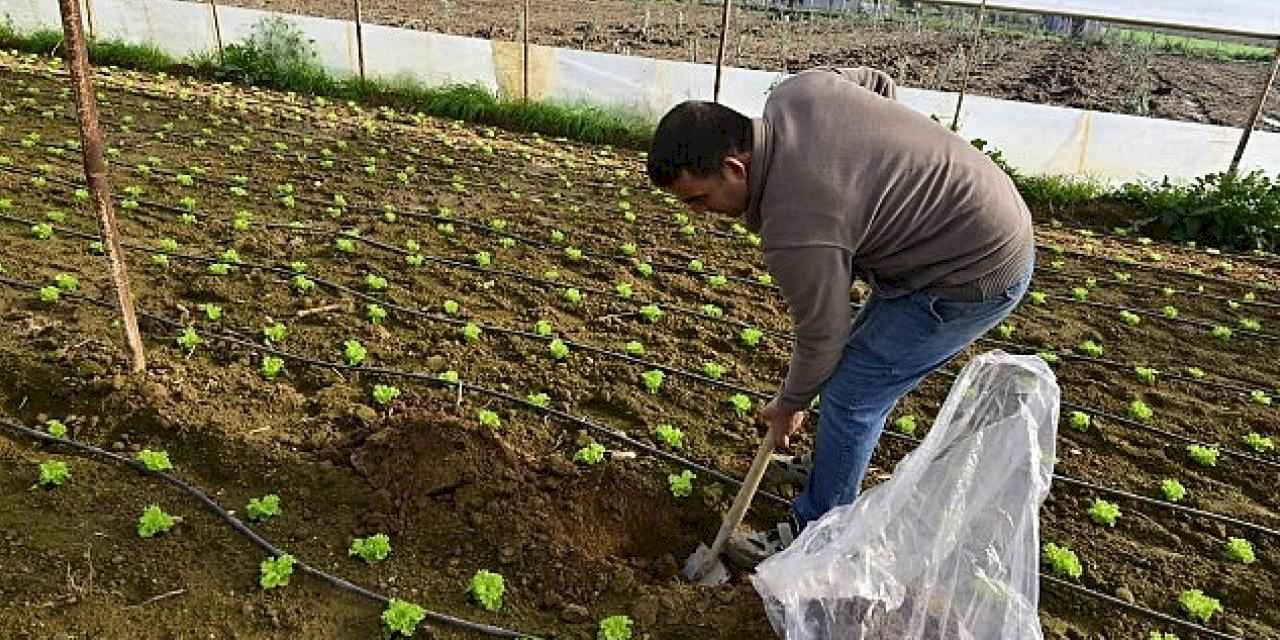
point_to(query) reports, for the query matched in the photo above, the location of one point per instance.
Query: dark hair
(696, 136)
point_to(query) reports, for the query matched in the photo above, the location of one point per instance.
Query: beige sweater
(846, 181)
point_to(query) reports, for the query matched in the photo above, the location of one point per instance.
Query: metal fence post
(359, 40)
(95, 171)
(217, 29)
(525, 55)
(968, 63)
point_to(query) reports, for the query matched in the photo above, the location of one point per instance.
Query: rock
(645, 611)
(1125, 594)
(574, 614)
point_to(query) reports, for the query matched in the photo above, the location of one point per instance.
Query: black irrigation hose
(1067, 275)
(624, 357)
(1203, 324)
(1146, 267)
(87, 450)
(608, 432)
(1150, 613)
(434, 380)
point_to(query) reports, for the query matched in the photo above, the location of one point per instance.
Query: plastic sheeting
(1037, 139)
(948, 547)
(1244, 17)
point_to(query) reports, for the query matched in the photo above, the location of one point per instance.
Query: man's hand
(782, 422)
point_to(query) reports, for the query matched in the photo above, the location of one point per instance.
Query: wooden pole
(724, 32)
(968, 63)
(1257, 112)
(95, 171)
(217, 29)
(359, 40)
(525, 56)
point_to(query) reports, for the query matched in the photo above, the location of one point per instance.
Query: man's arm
(815, 282)
(870, 79)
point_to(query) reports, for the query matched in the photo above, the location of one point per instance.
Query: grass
(1191, 45)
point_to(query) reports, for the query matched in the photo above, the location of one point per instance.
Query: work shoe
(789, 469)
(746, 549)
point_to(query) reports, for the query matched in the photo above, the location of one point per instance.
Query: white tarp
(1244, 17)
(1037, 139)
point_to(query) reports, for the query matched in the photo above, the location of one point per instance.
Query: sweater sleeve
(871, 79)
(815, 282)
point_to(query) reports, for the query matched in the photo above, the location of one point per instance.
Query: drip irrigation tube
(87, 450)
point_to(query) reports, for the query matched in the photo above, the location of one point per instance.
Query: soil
(1107, 76)
(576, 543)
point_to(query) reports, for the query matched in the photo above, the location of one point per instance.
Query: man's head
(701, 153)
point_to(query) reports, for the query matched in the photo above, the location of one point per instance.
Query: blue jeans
(894, 344)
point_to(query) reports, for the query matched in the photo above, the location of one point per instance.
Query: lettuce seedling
(490, 419)
(573, 254)
(750, 337)
(42, 231)
(712, 311)
(303, 284)
(1258, 396)
(1169, 311)
(571, 295)
(1140, 411)
(53, 473)
(189, 339)
(1146, 374)
(211, 311)
(764, 279)
(670, 436)
(644, 269)
(624, 290)
(1172, 490)
(66, 282)
(712, 370)
(260, 509)
(483, 258)
(56, 428)
(1253, 440)
(374, 548)
(1130, 318)
(542, 328)
(615, 627)
(1062, 561)
(905, 424)
(558, 349)
(1080, 294)
(590, 454)
(272, 367)
(652, 379)
(628, 249)
(242, 221)
(1091, 349)
(696, 266)
(1049, 357)
(154, 460)
(402, 617)
(56, 216)
(681, 484)
(651, 313)
(557, 236)
(275, 333)
(451, 307)
(385, 394)
(471, 332)
(219, 269)
(154, 520)
(1006, 329)
(1104, 512)
(1240, 550)
(1080, 421)
(487, 589)
(634, 347)
(375, 283)
(1198, 605)
(539, 399)
(49, 295)
(741, 404)
(450, 376)
(1222, 333)
(1203, 456)
(1249, 324)
(376, 313)
(716, 281)
(354, 352)
(275, 572)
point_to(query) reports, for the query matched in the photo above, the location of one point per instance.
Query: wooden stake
(525, 29)
(1257, 112)
(95, 171)
(968, 63)
(724, 32)
(217, 29)
(359, 39)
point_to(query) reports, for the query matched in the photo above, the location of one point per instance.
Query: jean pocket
(929, 304)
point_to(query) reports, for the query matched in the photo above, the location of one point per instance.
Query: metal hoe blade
(704, 568)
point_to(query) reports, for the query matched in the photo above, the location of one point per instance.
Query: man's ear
(735, 166)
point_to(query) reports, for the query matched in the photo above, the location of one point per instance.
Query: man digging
(842, 181)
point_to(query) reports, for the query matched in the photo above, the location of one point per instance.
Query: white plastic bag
(947, 548)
